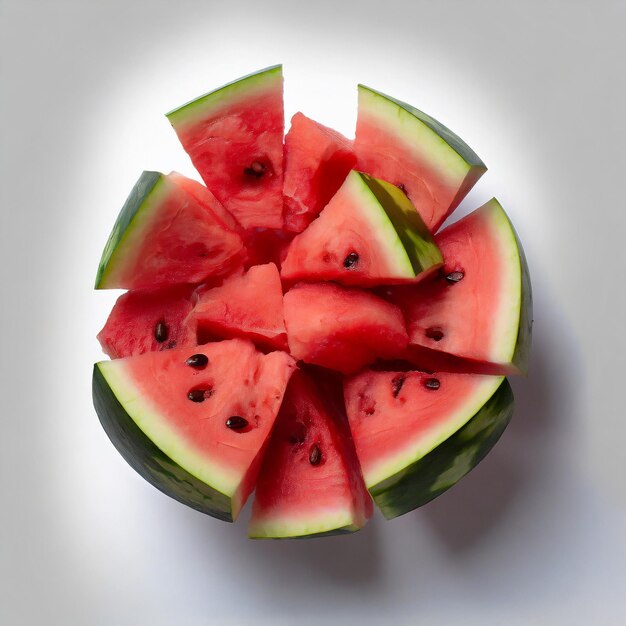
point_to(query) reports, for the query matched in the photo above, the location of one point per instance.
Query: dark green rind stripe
(521, 356)
(344, 530)
(417, 240)
(138, 195)
(453, 140)
(149, 461)
(442, 468)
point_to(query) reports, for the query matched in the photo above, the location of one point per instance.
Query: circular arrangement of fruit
(300, 326)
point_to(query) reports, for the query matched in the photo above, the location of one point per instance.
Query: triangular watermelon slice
(398, 143)
(310, 483)
(164, 236)
(234, 136)
(194, 421)
(368, 234)
(248, 306)
(476, 315)
(317, 161)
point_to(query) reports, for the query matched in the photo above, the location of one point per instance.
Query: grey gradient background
(536, 535)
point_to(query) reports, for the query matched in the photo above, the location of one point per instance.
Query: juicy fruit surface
(248, 306)
(234, 137)
(317, 161)
(342, 328)
(148, 320)
(310, 482)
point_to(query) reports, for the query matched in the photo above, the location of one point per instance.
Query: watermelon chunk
(398, 143)
(146, 320)
(248, 306)
(477, 314)
(342, 328)
(164, 236)
(418, 434)
(194, 421)
(317, 161)
(234, 136)
(310, 483)
(368, 234)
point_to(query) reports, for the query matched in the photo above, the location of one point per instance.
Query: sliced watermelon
(368, 234)
(194, 421)
(418, 434)
(317, 161)
(396, 142)
(310, 482)
(146, 320)
(477, 314)
(234, 136)
(342, 328)
(164, 236)
(248, 306)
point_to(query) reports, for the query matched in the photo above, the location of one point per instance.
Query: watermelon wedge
(248, 306)
(317, 161)
(476, 315)
(234, 136)
(194, 421)
(163, 236)
(147, 320)
(418, 434)
(310, 483)
(398, 143)
(342, 328)
(368, 234)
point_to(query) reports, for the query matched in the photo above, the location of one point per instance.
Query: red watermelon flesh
(266, 245)
(146, 320)
(317, 161)
(310, 481)
(342, 328)
(234, 137)
(248, 306)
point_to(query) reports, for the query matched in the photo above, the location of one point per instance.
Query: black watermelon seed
(161, 332)
(396, 384)
(454, 277)
(256, 169)
(199, 395)
(351, 260)
(435, 334)
(199, 361)
(236, 422)
(315, 456)
(432, 383)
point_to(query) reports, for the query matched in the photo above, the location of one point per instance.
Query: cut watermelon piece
(147, 320)
(194, 421)
(418, 434)
(164, 236)
(234, 136)
(248, 306)
(479, 309)
(317, 161)
(342, 328)
(396, 142)
(310, 482)
(368, 234)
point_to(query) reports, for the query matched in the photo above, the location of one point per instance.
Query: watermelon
(368, 234)
(476, 315)
(310, 483)
(145, 320)
(234, 136)
(342, 328)
(248, 306)
(400, 144)
(164, 236)
(418, 434)
(194, 421)
(317, 161)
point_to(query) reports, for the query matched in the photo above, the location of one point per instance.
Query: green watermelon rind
(194, 110)
(147, 459)
(448, 462)
(320, 526)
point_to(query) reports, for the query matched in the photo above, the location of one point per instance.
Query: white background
(535, 535)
